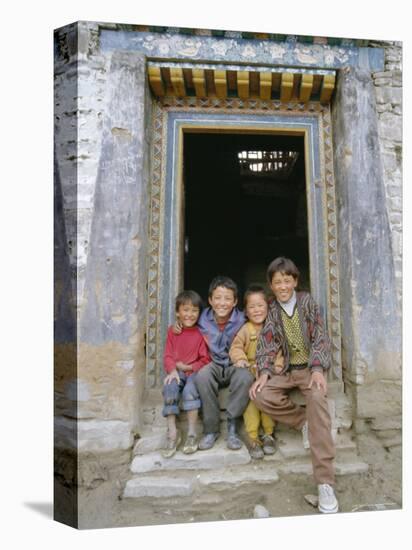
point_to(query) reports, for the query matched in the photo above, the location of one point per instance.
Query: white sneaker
(328, 503)
(305, 436)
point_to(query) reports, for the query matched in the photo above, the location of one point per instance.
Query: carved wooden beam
(199, 82)
(265, 81)
(220, 83)
(328, 85)
(286, 86)
(243, 84)
(156, 82)
(306, 87)
(178, 81)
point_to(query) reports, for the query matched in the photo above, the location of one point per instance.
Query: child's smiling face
(188, 314)
(256, 308)
(283, 286)
(222, 301)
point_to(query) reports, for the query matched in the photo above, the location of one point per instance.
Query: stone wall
(388, 87)
(102, 121)
(368, 186)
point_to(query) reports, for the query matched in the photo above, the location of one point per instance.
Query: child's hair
(282, 265)
(189, 297)
(254, 289)
(225, 282)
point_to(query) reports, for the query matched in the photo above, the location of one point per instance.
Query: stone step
(289, 442)
(217, 457)
(178, 483)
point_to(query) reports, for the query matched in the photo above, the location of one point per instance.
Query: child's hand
(318, 380)
(242, 363)
(277, 369)
(183, 367)
(174, 375)
(177, 328)
(257, 386)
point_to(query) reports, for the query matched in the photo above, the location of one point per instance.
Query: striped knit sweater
(272, 337)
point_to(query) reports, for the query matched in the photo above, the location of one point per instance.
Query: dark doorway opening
(245, 204)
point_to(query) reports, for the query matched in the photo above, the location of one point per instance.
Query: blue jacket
(219, 341)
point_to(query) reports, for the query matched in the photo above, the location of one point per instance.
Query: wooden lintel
(220, 83)
(265, 85)
(286, 86)
(199, 82)
(155, 81)
(306, 87)
(178, 82)
(328, 85)
(243, 84)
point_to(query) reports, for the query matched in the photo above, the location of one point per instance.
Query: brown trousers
(275, 402)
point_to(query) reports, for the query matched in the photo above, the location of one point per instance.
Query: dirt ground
(378, 489)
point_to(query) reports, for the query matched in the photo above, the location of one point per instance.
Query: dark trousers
(212, 377)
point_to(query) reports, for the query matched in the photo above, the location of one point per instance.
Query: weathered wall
(388, 88)
(371, 322)
(102, 167)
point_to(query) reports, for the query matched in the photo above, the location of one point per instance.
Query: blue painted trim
(172, 45)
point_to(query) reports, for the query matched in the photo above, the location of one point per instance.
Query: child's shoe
(171, 446)
(255, 449)
(328, 503)
(269, 447)
(190, 445)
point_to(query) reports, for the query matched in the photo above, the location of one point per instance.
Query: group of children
(260, 354)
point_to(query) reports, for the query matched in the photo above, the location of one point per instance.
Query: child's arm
(168, 357)
(204, 357)
(237, 352)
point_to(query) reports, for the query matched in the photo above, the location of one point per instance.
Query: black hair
(225, 282)
(282, 265)
(189, 297)
(254, 289)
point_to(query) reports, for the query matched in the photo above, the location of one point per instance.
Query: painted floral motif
(248, 51)
(220, 48)
(190, 48)
(304, 55)
(164, 48)
(276, 51)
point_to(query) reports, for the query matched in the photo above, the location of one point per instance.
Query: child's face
(187, 314)
(283, 286)
(256, 308)
(222, 302)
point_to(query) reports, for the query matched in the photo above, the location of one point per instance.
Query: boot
(233, 441)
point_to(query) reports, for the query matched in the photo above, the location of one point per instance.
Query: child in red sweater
(184, 355)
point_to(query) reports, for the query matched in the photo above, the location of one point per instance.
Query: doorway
(245, 204)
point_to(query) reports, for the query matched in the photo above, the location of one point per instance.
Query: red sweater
(189, 347)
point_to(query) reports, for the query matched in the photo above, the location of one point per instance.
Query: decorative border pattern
(158, 179)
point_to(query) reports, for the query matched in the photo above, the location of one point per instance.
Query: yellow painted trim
(155, 80)
(265, 86)
(243, 84)
(220, 83)
(178, 82)
(199, 82)
(328, 85)
(306, 87)
(286, 87)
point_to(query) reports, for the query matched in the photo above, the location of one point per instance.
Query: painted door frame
(173, 117)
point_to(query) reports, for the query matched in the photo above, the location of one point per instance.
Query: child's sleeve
(237, 349)
(319, 359)
(168, 357)
(204, 357)
(266, 347)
